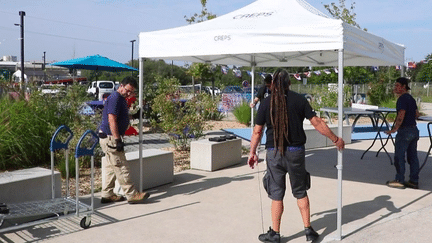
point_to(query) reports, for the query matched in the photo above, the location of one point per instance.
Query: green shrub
(322, 97)
(390, 104)
(379, 92)
(209, 107)
(242, 113)
(183, 121)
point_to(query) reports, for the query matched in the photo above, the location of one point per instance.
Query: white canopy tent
(273, 33)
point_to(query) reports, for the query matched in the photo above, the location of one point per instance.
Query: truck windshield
(106, 85)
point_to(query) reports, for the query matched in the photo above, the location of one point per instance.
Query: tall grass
(26, 127)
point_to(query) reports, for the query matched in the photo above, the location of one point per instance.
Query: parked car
(233, 89)
(209, 89)
(99, 88)
(248, 90)
(52, 89)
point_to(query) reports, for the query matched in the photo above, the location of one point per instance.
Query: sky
(69, 29)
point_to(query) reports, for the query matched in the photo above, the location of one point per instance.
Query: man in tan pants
(115, 121)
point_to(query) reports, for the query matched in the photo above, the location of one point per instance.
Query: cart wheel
(84, 223)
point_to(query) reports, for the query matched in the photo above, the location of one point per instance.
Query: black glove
(119, 145)
(137, 114)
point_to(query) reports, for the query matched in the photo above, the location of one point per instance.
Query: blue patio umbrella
(95, 62)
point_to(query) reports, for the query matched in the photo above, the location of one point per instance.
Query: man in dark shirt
(406, 137)
(115, 121)
(283, 112)
(263, 92)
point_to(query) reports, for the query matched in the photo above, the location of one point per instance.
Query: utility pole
(132, 41)
(22, 14)
(43, 69)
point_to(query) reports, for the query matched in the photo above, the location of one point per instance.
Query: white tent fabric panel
(277, 33)
(365, 49)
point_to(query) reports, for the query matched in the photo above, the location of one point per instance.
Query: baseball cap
(403, 81)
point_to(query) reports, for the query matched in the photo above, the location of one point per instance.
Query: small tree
(341, 12)
(203, 16)
(425, 72)
(325, 98)
(181, 120)
(379, 91)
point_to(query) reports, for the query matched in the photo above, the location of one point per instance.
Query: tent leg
(140, 98)
(340, 134)
(253, 64)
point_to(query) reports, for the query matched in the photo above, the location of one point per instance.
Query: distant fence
(417, 89)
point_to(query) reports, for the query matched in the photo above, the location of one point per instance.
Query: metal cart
(20, 215)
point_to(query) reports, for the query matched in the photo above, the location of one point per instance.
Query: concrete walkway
(230, 205)
(225, 206)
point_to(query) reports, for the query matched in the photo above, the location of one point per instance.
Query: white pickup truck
(99, 88)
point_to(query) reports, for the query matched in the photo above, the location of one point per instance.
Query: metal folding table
(348, 111)
(382, 113)
(429, 120)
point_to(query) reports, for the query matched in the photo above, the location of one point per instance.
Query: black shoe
(270, 236)
(311, 234)
(113, 198)
(412, 185)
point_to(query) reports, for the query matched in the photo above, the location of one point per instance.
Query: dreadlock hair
(279, 109)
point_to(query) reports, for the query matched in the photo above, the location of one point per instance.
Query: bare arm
(256, 137)
(112, 120)
(322, 128)
(255, 101)
(399, 119)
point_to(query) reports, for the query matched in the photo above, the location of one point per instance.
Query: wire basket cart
(19, 215)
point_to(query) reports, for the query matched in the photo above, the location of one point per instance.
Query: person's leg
(299, 179)
(300, 183)
(274, 184)
(120, 167)
(413, 157)
(109, 182)
(304, 207)
(401, 146)
(277, 209)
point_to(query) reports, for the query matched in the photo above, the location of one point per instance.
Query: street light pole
(44, 67)
(132, 41)
(22, 14)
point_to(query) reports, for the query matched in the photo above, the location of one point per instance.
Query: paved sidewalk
(225, 206)
(426, 108)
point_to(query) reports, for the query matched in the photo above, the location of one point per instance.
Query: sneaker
(311, 234)
(395, 184)
(412, 185)
(139, 197)
(113, 198)
(270, 236)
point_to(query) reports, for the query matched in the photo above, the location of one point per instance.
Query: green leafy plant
(391, 103)
(323, 97)
(210, 108)
(183, 121)
(379, 92)
(27, 126)
(242, 113)
(62, 168)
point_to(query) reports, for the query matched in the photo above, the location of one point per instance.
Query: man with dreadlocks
(283, 113)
